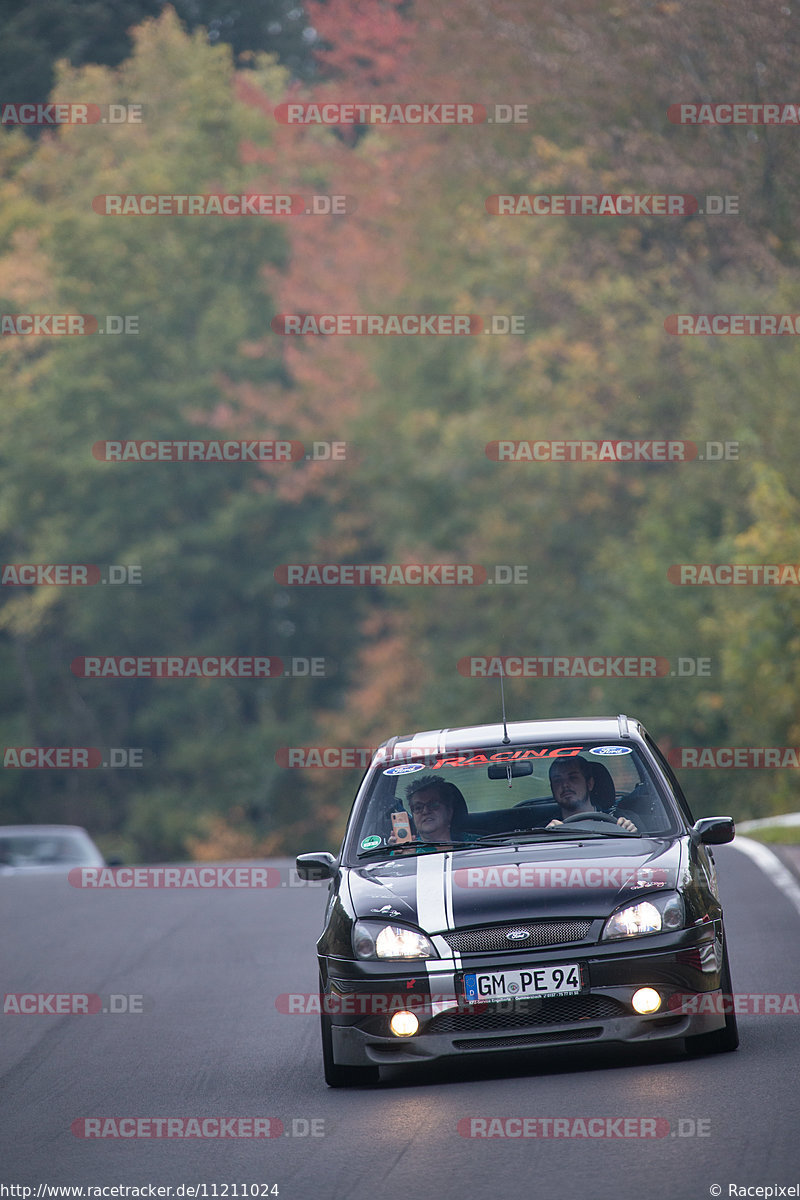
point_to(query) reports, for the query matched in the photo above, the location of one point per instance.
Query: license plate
(520, 985)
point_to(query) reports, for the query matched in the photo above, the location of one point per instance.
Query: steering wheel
(590, 816)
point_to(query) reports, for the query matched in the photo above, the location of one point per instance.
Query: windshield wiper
(569, 832)
(514, 835)
(584, 833)
(386, 850)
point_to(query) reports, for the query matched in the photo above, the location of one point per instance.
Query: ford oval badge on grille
(517, 935)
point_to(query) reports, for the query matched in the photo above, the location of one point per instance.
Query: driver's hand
(627, 825)
(554, 823)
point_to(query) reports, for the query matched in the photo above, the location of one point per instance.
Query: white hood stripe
(448, 892)
(431, 910)
(435, 904)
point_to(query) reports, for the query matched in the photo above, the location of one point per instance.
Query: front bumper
(353, 1046)
(360, 998)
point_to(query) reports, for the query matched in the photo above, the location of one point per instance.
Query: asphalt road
(211, 1042)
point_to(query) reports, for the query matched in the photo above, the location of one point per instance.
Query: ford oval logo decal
(517, 935)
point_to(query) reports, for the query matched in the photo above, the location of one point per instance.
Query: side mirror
(316, 866)
(714, 831)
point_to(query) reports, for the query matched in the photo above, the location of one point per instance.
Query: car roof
(520, 733)
(42, 829)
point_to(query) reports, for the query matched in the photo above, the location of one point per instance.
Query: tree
(37, 33)
(206, 536)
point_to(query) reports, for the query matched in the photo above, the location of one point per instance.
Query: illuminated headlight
(659, 914)
(374, 940)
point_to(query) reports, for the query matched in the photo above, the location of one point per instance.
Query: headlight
(372, 939)
(659, 914)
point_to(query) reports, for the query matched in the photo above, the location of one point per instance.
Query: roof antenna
(506, 738)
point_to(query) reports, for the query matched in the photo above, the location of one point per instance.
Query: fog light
(404, 1024)
(646, 1000)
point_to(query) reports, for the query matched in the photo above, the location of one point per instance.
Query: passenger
(572, 784)
(435, 806)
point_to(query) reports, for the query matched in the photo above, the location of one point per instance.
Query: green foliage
(206, 536)
(782, 835)
(39, 33)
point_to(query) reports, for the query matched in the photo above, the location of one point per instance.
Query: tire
(721, 1041)
(337, 1075)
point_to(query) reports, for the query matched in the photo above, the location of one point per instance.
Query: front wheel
(336, 1074)
(721, 1040)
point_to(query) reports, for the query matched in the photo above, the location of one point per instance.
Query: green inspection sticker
(369, 843)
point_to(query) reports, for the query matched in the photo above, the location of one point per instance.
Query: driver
(571, 783)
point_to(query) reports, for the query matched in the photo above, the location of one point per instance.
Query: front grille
(539, 933)
(521, 1040)
(519, 1014)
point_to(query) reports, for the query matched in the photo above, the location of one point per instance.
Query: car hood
(482, 886)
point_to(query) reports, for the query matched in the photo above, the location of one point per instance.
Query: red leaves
(365, 41)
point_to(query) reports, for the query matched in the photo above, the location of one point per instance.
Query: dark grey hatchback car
(504, 888)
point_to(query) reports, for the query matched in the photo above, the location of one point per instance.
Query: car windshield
(44, 849)
(505, 793)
